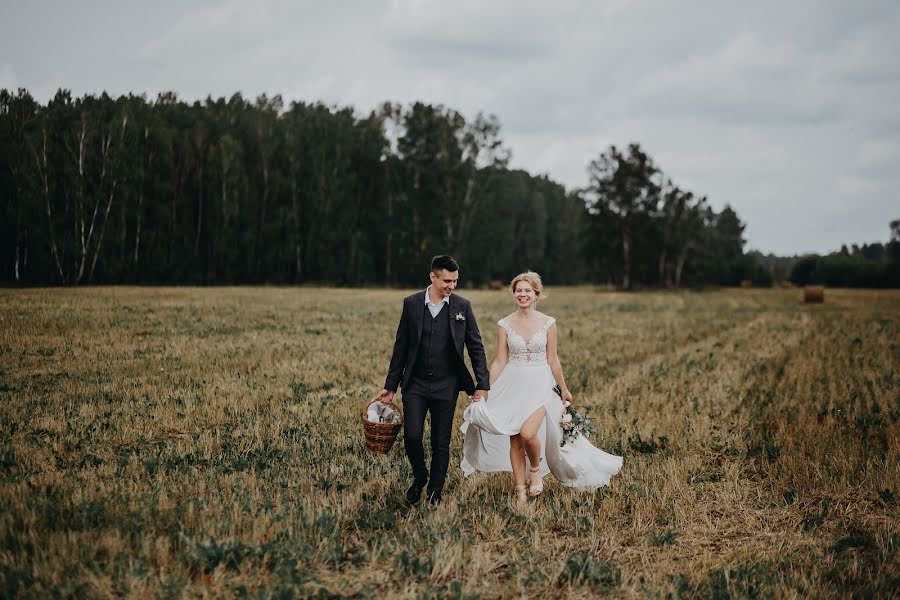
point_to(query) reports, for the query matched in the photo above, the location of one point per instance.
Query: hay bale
(746, 283)
(813, 294)
(495, 284)
(786, 285)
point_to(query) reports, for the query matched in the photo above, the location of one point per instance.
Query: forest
(110, 190)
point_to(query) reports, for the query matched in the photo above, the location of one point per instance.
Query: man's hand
(479, 395)
(385, 396)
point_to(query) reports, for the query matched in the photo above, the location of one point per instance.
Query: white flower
(460, 317)
(567, 418)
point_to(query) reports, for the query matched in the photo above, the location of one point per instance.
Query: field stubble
(207, 442)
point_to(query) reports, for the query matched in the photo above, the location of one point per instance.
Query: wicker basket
(380, 436)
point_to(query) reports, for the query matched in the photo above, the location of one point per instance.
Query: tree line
(869, 265)
(101, 189)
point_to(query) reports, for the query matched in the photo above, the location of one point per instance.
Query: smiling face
(524, 294)
(444, 281)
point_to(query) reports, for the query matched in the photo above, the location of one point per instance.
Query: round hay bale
(495, 284)
(813, 294)
(746, 283)
(786, 285)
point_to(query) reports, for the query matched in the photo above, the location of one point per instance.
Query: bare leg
(529, 436)
(517, 459)
(532, 444)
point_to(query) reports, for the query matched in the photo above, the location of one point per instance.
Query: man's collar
(445, 299)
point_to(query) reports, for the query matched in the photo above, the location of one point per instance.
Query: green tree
(21, 228)
(624, 187)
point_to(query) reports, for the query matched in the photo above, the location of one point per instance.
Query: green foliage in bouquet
(573, 423)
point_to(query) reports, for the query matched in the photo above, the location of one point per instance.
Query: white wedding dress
(525, 385)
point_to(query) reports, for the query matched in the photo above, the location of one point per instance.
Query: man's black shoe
(413, 493)
(434, 498)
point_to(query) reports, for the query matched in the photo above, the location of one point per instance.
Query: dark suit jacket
(463, 331)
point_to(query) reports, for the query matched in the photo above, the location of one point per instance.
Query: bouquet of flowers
(573, 422)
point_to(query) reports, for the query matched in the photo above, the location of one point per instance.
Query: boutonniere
(459, 316)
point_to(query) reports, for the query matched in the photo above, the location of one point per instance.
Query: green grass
(159, 442)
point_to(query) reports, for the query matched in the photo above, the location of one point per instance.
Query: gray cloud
(788, 112)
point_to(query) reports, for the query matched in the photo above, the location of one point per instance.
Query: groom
(428, 364)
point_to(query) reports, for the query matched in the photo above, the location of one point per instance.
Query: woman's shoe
(521, 496)
(537, 482)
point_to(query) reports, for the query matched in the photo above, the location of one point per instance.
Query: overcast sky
(788, 111)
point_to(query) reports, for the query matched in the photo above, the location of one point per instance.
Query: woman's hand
(567, 396)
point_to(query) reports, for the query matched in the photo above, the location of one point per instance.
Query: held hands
(479, 395)
(386, 396)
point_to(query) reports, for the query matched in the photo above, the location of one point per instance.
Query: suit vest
(434, 359)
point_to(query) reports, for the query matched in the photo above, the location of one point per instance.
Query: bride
(519, 427)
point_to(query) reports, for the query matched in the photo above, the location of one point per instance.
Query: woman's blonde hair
(533, 279)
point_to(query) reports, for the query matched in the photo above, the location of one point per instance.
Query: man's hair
(443, 262)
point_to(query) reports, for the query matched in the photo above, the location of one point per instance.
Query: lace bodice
(522, 351)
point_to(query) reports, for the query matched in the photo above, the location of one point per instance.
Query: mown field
(184, 442)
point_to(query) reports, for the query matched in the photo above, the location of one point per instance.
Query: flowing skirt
(518, 392)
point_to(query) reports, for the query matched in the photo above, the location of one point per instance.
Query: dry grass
(206, 443)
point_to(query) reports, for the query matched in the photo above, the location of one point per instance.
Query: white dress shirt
(433, 308)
